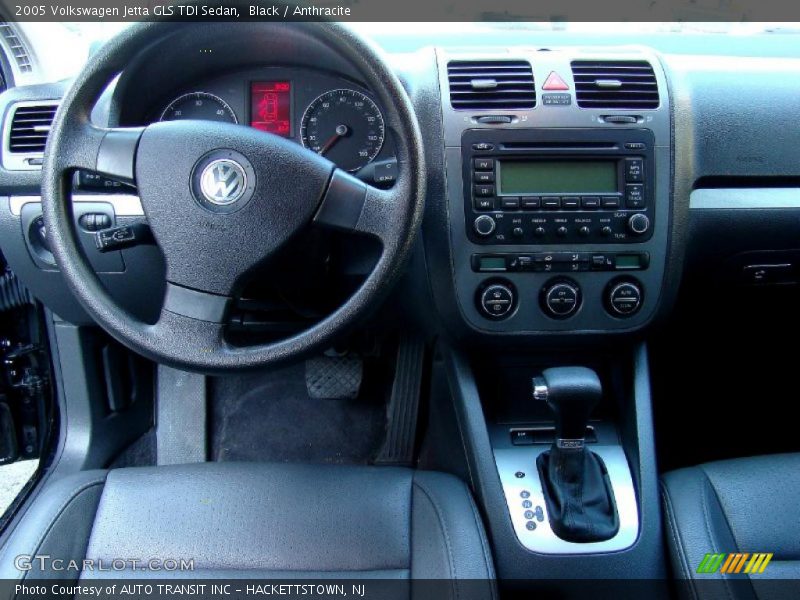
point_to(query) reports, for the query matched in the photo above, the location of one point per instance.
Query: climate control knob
(561, 299)
(638, 224)
(623, 298)
(497, 300)
(484, 225)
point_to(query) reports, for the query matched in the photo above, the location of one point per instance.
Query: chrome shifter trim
(540, 391)
(570, 444)
(523, 491)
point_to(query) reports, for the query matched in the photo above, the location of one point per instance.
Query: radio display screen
(558, 177)
(270, 106)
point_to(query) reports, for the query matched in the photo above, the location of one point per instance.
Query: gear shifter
(578, 494)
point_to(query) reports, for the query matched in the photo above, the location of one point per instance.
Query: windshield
(93, 32)
(64, 47)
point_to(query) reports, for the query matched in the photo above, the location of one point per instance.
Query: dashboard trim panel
(125, 205)
(744, 198)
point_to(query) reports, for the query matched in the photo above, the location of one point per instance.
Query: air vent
(17, 47)
(487, 85)
(30, 126)
(615, 84)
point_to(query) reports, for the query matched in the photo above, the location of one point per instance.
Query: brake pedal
(334, 377)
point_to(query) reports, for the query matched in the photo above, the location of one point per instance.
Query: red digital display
(270, 106)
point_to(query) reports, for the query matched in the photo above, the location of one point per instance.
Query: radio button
(635, 145)
(570, 202)
(509, 202)
(483, 164)
(483, 177)
(517, 232)
(590, 201)
(483, 146)
(584, 231)
(634, 170)
(483, 190)
(551, 203)
(483, 204)
(540, 232)
(606, 231)
(562, 231)
(528, 202)
(634, 195)
(609, 202)
(484, 225)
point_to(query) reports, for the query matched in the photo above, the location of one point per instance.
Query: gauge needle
(341, 131)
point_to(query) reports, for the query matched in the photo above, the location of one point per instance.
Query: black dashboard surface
(716, 142)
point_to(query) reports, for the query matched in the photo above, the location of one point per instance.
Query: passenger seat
(745, 506)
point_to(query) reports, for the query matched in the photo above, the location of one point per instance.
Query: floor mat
(269, 417)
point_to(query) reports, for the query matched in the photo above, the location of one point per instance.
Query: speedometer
(344, 126)
(199, 105)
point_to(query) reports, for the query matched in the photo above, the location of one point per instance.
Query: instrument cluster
(329, 115)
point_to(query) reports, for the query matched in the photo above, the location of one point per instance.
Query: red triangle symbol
(554, 82)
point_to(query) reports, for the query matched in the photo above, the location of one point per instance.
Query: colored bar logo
(736, 562)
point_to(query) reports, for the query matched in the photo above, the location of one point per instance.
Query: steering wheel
(220, 199)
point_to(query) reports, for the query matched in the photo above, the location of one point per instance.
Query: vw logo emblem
(223, 181)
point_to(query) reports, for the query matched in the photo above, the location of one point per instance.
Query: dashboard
(545, 216)
(332, 116)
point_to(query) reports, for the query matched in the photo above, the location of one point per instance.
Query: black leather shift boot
(578, 494)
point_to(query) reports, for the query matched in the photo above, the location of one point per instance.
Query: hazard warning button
(554, 82)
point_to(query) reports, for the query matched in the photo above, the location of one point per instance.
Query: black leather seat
(745, 505)
(261, 521)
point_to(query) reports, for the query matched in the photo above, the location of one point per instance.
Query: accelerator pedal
(402, 412)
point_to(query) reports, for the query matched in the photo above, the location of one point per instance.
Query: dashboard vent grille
(17, 47)
(615, 84)
(496, 84)
(30, 127)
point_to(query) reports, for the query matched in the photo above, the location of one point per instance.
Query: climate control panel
(559, 298)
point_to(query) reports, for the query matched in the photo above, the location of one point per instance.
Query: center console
(558, 195)
(558, 212)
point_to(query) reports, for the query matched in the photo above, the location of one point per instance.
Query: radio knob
(639, 223)
(484, 225)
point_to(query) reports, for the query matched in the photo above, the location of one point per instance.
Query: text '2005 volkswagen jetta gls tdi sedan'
(399, 310)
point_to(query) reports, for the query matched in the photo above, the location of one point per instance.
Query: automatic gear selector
(578, 493)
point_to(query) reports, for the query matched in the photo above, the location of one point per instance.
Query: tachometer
(199, 105)
(344, 126)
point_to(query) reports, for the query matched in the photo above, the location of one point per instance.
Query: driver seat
(264, 521)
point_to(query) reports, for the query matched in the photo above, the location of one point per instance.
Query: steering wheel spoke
(199, 339)
(351, 205)
(110, 152)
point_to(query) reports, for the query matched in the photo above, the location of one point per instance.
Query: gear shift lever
(578, 494)
(571, 393)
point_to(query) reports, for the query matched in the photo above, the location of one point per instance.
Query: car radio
(558, 186)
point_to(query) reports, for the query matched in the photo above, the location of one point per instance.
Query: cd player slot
(559, 146)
